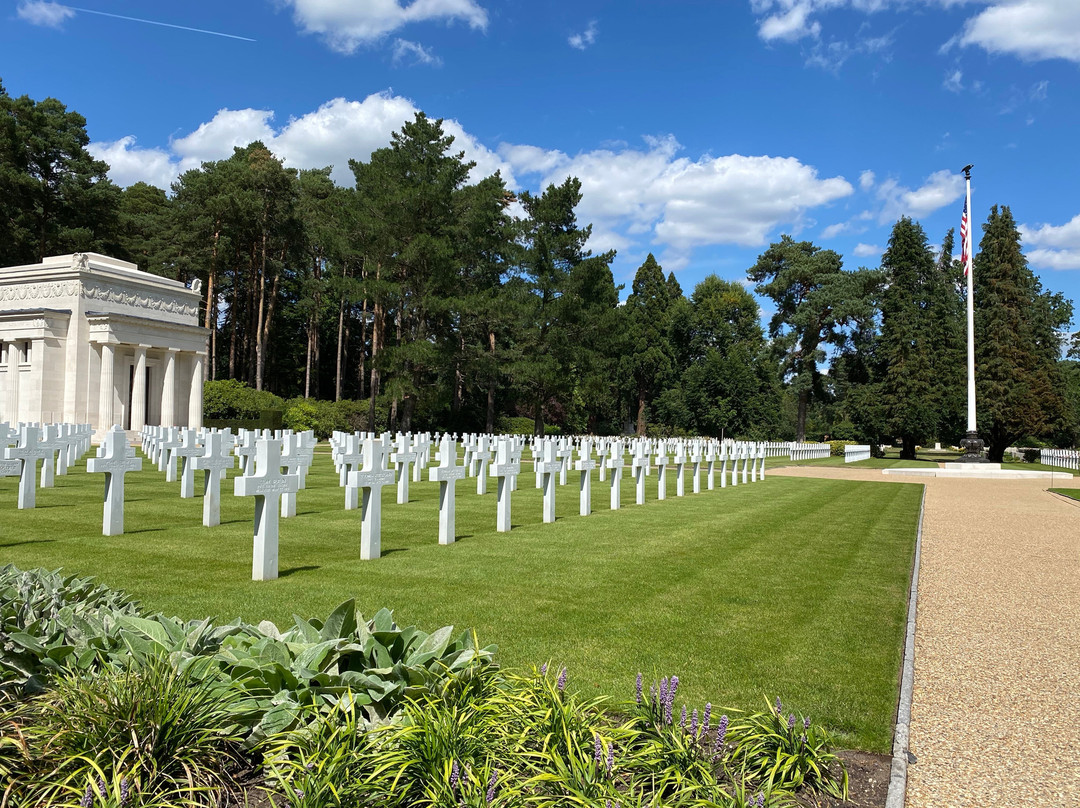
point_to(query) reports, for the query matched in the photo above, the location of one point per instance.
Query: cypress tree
(1016, 341)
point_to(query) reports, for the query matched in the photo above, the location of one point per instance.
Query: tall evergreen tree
(1017, 341)
(908, 384)
(647, 358)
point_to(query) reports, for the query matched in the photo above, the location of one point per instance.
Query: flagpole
(971, 444)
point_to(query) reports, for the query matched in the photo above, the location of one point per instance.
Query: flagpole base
(973, 449)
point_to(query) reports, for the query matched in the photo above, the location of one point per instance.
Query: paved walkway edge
(898, 777)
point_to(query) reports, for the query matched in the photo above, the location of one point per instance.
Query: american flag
(964, 239)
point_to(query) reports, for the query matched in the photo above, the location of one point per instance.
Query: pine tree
(1017, 343)
(908, 384)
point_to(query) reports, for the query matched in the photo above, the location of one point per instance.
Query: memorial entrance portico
(89, 339)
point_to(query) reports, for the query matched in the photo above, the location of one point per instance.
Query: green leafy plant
(167, 733)
(786, 752)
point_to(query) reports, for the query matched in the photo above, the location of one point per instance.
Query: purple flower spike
(663, 692)
(88, 797)
(682, 719)
(543, 669)
(693, 725)
(491, 786)
(611, 759)
(561, 683)
(124, 787)
(806, 723)
(101, 786)
(455, 776)
(705, 720)
(598, 752)
(791, 722)
(639, 688)
(721, 734)
(802, 739)
(779, 706)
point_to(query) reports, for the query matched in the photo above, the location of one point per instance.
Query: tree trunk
(641, 410)
(490, 421)
(259, 346)
(907, 448)
(377, 326)
(800, 425)
(538, 417)
(360, 377)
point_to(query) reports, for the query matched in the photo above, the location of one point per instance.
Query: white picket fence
(809, 451)
(853, 454)
(1064, 458)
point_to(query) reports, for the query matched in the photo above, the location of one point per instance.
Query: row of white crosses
(57, 446)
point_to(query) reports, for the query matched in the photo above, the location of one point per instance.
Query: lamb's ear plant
(786, 751)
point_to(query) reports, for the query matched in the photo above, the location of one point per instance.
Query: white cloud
(834, 230)
(585, 38)
(866, 180)
(345, 25)
(866, 250)
(940, 189)
(337, 131)
(1030, 29)
(1039, 90)
(953, 81)
(684, 203)
(1058, 245)
(414, 53)
(128, 165)
(37, 12)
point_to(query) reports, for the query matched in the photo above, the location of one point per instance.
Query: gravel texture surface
(996, 710)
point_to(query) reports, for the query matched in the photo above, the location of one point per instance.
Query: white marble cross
(292, 461)
(114, 459)
(505, 468)
(482, 458)
(585, 464)
(661, 469)
(422, 446)
(446, 474)
(736, 455)
(51, 442)
(710, 465)
(246, 451)
(639, 465)
(351, 458)
(29, 452)
(168, 447)
(565, 453)
(402, 458)
(214, 462)
(680, 469)
(370, 480)
(616, 463)
(695, 466)
(187, 451)
(266, 484)
(603, 446)
(723, 464)
(745, 462)
(548, 466)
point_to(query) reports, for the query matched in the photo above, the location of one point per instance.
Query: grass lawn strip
(794, 587)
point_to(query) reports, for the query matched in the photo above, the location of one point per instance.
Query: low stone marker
(505, 469)
(214, 461)
(446, 474)
(370, 480)
(29, 451)
(266, 484)
(114, 460)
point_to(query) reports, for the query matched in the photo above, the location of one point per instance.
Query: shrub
(229, 399)
(516, 425)
(1032, 455)
(837, 447)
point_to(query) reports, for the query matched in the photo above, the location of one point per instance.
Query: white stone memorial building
(85, 338)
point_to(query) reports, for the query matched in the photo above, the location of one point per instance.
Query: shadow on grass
(294, 570)
(30, 541)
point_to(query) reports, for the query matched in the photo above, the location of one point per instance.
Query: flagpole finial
(967, 170)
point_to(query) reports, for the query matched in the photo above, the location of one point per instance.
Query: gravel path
(996, 710)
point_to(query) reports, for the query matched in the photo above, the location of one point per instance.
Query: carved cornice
(112, 294)
(39, 291)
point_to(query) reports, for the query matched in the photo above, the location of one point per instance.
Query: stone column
(108, 386)
(168, 390)
(13, 349)
(138, 390)
(195, 397)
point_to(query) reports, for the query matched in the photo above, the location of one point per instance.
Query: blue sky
(701, 130)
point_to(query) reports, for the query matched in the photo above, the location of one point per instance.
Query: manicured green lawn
(1071, 493)
(791, 588)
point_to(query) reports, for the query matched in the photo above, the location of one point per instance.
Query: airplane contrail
(163, 24)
